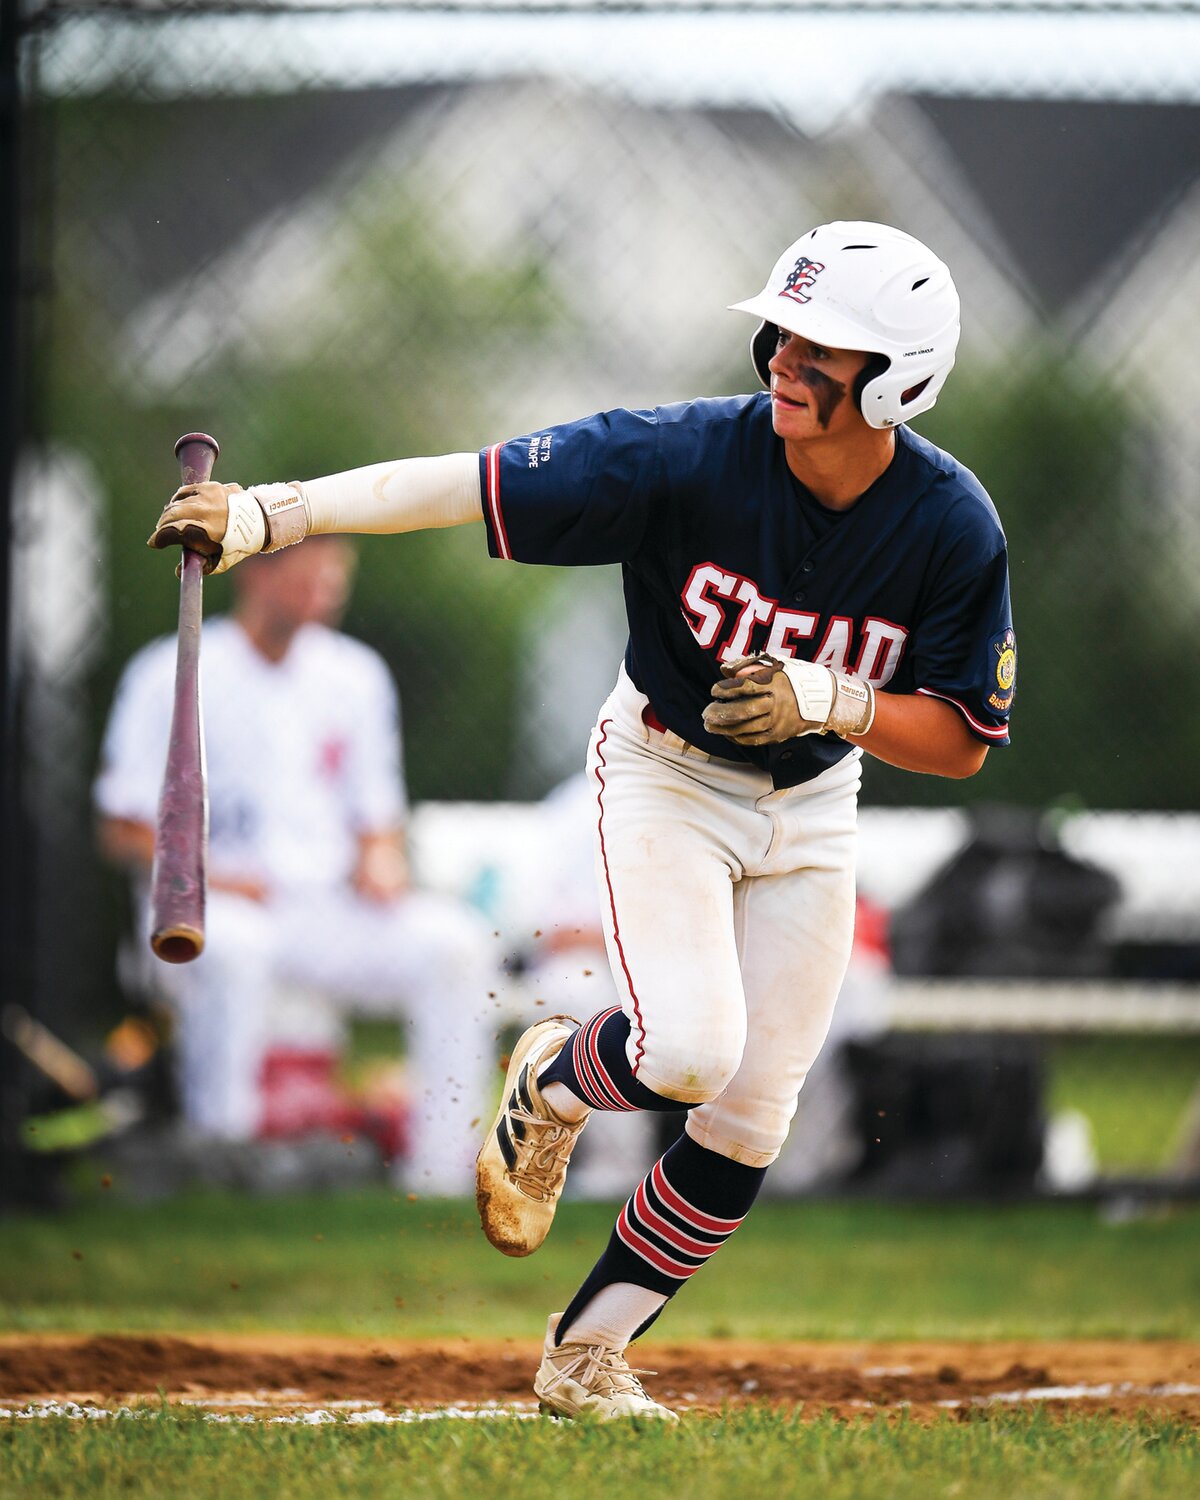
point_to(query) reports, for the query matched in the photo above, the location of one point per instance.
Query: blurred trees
(1104, 600)
(395, 337)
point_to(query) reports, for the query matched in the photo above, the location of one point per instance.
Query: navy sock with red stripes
(595, 1067)
(679, 1215)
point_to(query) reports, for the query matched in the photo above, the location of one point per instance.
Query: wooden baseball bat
(179, 879)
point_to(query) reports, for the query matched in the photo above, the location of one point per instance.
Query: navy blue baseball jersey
(725, 553)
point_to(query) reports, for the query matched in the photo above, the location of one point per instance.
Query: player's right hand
(223, 522)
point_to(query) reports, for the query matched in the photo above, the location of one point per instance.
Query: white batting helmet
(855, 285)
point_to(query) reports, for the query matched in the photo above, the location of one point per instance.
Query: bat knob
(197, 453)
(199, 437)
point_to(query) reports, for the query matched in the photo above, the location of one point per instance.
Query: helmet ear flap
(762, 350)
(876, 364)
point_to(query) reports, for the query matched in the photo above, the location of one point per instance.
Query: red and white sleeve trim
(492, 500)
(988, 731)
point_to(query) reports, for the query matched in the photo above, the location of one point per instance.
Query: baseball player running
(805, 579)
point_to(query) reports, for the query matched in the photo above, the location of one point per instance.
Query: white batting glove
(226, 524)
(763, 701)
(835, 702)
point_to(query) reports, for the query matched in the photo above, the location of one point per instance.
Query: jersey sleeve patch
(1003, 655)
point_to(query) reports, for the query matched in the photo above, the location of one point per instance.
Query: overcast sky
(814, 66)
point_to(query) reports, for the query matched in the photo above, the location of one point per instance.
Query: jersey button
(798, 598)
(808, 567)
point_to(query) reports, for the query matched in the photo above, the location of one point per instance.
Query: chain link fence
(336, 234)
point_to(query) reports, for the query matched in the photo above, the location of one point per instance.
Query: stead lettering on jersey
(730, 615)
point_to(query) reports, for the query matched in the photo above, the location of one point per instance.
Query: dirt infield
(290, 1374)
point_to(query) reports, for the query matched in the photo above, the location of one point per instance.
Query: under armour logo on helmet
(803, 274)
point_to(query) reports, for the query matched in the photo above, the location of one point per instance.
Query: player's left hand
(755, 703)
(763, 701)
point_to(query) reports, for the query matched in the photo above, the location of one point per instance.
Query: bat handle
(197, 453)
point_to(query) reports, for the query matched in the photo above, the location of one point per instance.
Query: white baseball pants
(729, 917)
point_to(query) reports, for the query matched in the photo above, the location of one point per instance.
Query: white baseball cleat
(522, 1164)
(581, 1379)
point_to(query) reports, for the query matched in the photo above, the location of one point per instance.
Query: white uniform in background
(303, 756)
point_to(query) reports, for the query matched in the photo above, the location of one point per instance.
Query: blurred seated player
(308, 877)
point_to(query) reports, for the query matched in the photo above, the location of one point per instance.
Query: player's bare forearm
(922, 734)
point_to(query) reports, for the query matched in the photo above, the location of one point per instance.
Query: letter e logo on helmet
(803, 274)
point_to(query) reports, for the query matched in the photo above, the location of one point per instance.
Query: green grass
(381, 1266)
(1005, 1456)
(1133, 1089)
(375, 1264)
